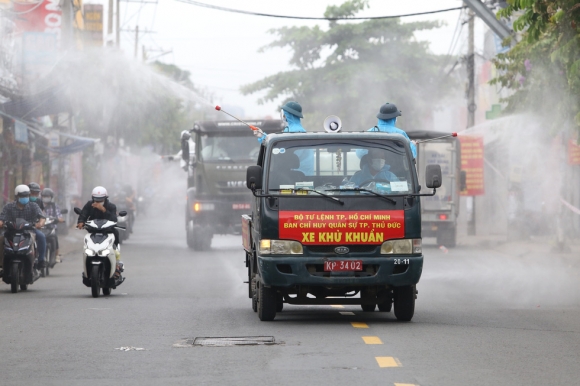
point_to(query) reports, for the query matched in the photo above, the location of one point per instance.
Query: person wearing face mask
(51, 209)
(99, 207)
(374, 168)
(290, 114)
(35, 194)
(22, 207)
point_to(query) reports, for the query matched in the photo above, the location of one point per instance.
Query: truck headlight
(401, 247)
(200, 206)
(280, 247)
(89, 252)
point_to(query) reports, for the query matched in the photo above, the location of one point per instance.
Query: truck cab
(336, 219)
(215, 155)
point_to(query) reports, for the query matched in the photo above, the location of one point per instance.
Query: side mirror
(433, 176)
(77, 210)
(64, 211)
(254, 177)
(122, 213)
(185, 149)
(462, 180)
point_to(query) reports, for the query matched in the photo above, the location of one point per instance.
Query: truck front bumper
(285, 272)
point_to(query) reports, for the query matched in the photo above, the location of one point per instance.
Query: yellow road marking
(405, 384)
(359, 325)
(372, 340)
(388, 362)
(337, 306)
(346, 313)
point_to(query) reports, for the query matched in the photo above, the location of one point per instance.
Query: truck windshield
(228, 148)
(380, 166)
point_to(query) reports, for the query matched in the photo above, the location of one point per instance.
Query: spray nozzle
(218, 108)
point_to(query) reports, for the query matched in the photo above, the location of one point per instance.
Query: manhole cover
(234, 341)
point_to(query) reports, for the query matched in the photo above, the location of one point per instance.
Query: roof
(356, 135)
(266, 125)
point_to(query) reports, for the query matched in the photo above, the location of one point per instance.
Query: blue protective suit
(364, 175)
(388, 126)
(306, 156)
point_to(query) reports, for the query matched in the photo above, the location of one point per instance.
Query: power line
(204, 5)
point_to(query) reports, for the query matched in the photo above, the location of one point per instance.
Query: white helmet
(99, 193)
(22, 190)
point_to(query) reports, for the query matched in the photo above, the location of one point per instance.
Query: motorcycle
(99, 260)
(50, 231)
(19, 255)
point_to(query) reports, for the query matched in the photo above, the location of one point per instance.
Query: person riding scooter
(35, 194)
(29, 211)
(51, 209)
(99, 207)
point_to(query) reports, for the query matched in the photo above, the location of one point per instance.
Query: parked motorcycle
(50, 231)
(19, 255)
(99, 261)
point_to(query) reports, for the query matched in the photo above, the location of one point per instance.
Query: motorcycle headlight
(89, 252)
(104, 253)
(401, 247)
(280, 247)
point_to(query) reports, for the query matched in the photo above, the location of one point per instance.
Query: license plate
(343, 265)
(241, 206)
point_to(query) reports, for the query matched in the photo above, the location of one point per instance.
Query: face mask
(46, 200)
(23, 200)
(33, 199)
(377, 163)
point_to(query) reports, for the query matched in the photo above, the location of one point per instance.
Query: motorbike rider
(35, 194)
(99, 207)
(52, 209)
(22, 207)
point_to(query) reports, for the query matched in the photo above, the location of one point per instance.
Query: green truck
(215, 155)
(322, 232)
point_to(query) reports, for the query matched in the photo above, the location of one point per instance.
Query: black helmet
(388, 111)
(34, 187)
(47, 192)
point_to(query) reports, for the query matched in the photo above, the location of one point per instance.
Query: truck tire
(404, 299)
(387, 305)
(368, 307)
(266, 303)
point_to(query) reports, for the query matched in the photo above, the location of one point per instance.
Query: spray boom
(257, 129)
(433, 139)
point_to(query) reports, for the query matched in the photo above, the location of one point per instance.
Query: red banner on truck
(341, 227)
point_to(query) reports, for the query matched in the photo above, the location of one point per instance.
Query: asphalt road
(483, 317)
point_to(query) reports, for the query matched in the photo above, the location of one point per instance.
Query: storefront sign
(472, 164)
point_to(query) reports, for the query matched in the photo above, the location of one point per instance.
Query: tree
(543, 69)
(352, 68)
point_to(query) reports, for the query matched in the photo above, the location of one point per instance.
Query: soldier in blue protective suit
(387, 116)
(290, 115)
(373, 168)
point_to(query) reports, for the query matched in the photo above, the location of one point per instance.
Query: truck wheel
(255, 303)
(368, 307)
(387, 304)
(266, 303)
(404, 303)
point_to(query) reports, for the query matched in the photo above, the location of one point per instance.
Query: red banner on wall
(39, 17)
(472, 164)
(573, 152)
(335, 227)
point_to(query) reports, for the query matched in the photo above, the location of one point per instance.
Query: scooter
(19, 255)
(50, 229)
(99, 260)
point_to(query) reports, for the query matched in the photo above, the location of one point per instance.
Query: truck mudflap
(292, 271)
(246, 232)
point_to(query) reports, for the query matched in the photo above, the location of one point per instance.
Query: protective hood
(386, 124)
(294, 125)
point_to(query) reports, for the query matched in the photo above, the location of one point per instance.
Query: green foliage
(543, 69)
(352, 68)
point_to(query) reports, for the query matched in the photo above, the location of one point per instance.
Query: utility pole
(118, 40)
(136, 41)
(471, 106)
(110, 19)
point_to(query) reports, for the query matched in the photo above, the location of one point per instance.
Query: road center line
(388, 362)
(372, 340)
(359, 325)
